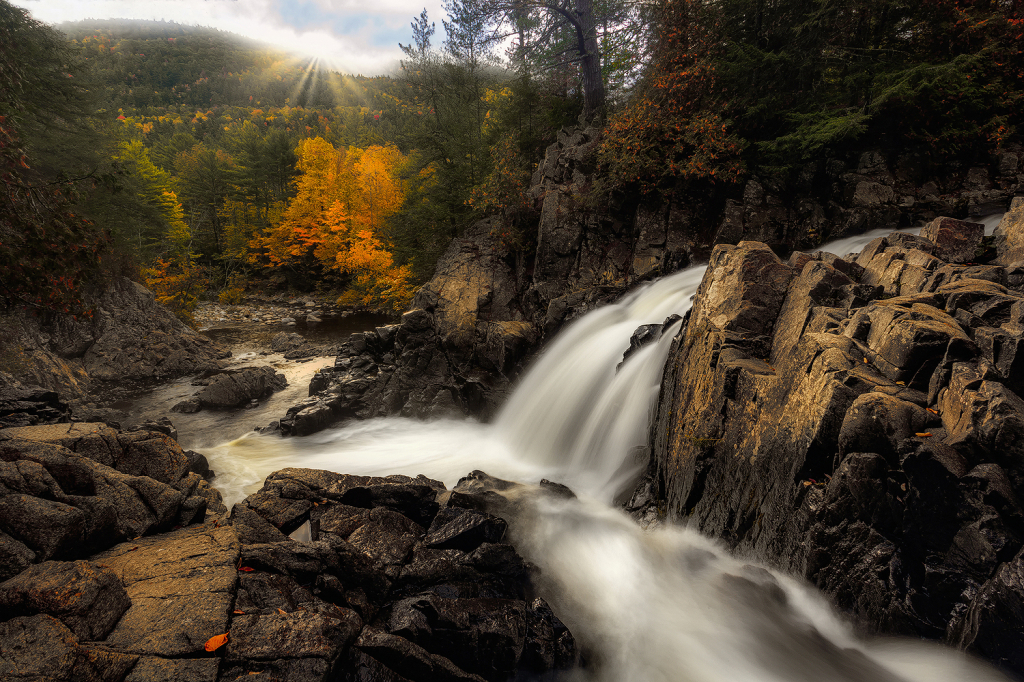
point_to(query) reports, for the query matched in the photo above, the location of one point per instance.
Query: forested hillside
(211, 165)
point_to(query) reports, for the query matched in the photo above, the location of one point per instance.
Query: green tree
(204, 184)
(48, 250)
(545, 34)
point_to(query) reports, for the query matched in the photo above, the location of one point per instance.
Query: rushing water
(650, 606)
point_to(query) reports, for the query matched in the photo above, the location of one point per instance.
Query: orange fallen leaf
(216, 642)
(238, 612)
(282, 612)
(923, 435)
(931, 410)
(246, 569)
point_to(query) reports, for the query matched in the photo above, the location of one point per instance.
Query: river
(655, 605)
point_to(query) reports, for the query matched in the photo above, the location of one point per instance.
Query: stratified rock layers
(859, 422)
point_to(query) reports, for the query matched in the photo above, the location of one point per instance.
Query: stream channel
(665, 604)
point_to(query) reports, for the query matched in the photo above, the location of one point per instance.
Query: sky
(352, 36)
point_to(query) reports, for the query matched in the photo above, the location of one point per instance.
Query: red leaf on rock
(216, 642)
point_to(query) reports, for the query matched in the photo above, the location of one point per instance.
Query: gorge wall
(859, 421)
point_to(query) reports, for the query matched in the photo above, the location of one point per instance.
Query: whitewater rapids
(648, 606)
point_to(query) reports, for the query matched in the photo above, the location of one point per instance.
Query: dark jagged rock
(69, 490)
(390, 585)
(31, 405)
(393, 585)
(234, 389)
(646, 335)
(162, 425)
(130, 338)
(865, 434)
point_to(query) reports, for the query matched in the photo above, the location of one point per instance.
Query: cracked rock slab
(182, 587)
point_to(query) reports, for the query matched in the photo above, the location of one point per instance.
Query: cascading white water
(574, 418)
(575, 411)
(671, 606)
(651, 606)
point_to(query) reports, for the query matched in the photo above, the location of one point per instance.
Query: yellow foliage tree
(295, 238)
(376, 281)
(342, 200)
(382, 193)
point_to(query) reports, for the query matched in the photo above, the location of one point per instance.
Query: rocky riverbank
(858, 421)
(128, 341)
(123, 566)
(281, 310)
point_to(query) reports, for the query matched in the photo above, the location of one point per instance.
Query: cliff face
(129, 338)
(859, 422)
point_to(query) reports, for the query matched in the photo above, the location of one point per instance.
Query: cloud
(341, 33)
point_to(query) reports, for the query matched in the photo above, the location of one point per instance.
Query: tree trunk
(590, 60)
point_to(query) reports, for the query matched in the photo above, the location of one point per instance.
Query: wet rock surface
(233, 389)
(858, 423)
(399, 580)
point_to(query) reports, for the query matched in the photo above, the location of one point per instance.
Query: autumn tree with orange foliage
(671, 129)
(331, 226)
(292, 242)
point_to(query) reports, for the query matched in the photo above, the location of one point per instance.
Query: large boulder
(956, 241)
(234, 389)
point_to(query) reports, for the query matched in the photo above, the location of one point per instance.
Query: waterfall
(575, 411)
(649, 606)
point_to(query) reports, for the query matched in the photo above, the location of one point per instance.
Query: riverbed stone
(235, 389)
(181, 585)
(87, 598)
